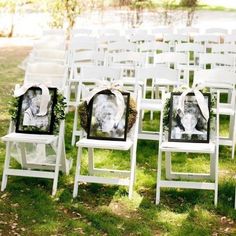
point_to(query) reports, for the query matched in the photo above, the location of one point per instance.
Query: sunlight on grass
(106, 209)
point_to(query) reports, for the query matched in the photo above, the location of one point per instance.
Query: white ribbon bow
(45, 97)
(114, 87)
(200, 100)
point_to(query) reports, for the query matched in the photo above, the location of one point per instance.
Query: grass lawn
(27, 208)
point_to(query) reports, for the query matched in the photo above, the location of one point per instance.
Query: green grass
(27, 208)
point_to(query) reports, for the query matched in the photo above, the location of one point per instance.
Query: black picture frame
(190, 127)
(102, 110)
(27, 120)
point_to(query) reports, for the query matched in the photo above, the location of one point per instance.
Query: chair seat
(151, 104)
(29, 138)
(188, 147)
(105, 144)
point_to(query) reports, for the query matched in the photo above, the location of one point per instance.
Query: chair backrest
(49, 55)
(207, 40)
(188, 30)
(225, 48)
(230, 38)
(219, 31)
(159, 31)
(192, 49)
(154, 47)
(217, 60)
(218, 78)
(51, 74)
(127, 58)
(98, 73)
(50, 42)
(79, 43)
(135, 31)
(141, 38)
(121, 46)
(108, 32)
(159, 74)
(175, 38)
(171, 58)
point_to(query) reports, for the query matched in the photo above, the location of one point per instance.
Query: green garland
(58, 111)
(83, 112)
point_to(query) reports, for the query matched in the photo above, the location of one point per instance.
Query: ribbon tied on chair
(45, 97)
(200, 100)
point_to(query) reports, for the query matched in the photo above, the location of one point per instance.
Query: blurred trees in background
(190, 6)
(64, 12)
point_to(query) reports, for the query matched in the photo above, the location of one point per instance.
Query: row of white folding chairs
(156, 30)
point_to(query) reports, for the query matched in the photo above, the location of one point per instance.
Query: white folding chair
(128, 62)
(188, 31)
(192, 50)
(90, 77)
(224, 48)
(207, 40)
(152, 48)
(216, 30)
(175, 60)
(225, 82)
(172, 39)
(121, 46)
(105, 40)
(160, 31)
(141, 38)
(49, 55)
(230, 38)
(108, 176)
(169, 147)
(153, 78)
(36, 161)
(214, 60)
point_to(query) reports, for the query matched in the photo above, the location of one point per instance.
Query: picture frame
(102, 123)
(27, 120)
(189, 126)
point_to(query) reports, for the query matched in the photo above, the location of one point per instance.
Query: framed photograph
(28, 118)
(103, 121)
(190, 125)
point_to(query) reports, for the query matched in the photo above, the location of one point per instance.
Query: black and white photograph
(189, 125)
(29, 119)
(104, 121)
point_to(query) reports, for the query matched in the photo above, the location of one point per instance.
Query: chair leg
(77, 173)
(233, 136)
(58, 159)
(212, 166)
(158, 177)
(216, 177)
(168, 164)
(6, 166)
(132, 171)
(90, 160)
(74, 126)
